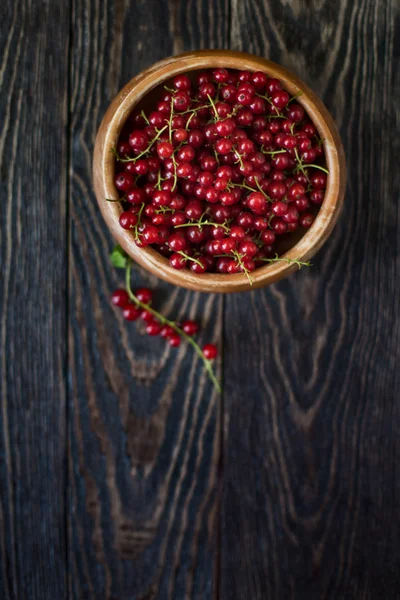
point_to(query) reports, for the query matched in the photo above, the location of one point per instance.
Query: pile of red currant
(226, 164)
(138, 305)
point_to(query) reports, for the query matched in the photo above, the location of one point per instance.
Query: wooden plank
(144, 436)
(33, 155)
(311, 489)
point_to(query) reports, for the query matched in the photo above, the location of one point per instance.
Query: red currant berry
(268, 237)
(244, 98)
(210, 351)
(181, 101)
(130, 312)
(296, 191)
(257, 203)
(220, 75)
(165, 150)
(306, 220)
(228, 245)
(200, 266)
(195, 235)
(153, 328)
(296, 112)
(196, 138)
(237, 233)
(302, 204)
(279, 208)
(245, 220)
(233, 267)
(248, 248)
(245, 117)
(144, 295)
(309, 155)
(224, 146)
(185, 154)
(150, 234)
(212, 195)
(177, 242)
(222, 264)
(260, 223)
(177, 261)
(259, 80)
(182, 82)
(276, 190)
(194, 209)
(223, 109)
(120, 298)
(128, 219)
(180, 135)
(138, 140)
(279, 226)
(229, 93)
(291, 215)
(174, 340)
(318, 181)
(166, 331)
(124, 181)
(161, 198)
(225, 127)
(317, 196)
(205, 90)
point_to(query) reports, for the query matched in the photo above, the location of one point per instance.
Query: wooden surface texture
(123, 476)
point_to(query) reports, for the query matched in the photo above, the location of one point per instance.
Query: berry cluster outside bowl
(143, 92)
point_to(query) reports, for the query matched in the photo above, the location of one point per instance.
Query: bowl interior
(149, 103)
(144, 91)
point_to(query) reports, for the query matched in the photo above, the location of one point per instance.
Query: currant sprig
(164, 321)
(143, 153)
(277, 258)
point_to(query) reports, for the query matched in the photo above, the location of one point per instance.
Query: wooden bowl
(139, 92)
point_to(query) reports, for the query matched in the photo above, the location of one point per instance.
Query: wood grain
(311, 482)
(301, 500)
(145, 422)
(33, 166)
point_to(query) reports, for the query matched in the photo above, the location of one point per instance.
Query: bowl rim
(104, 168)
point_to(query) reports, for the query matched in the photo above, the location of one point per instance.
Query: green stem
(201, 223)
(213, 105)
(294, 97)
(239, 157)
(136, 227)
(300, 166)
(239, 258)
(175, 175)
(135, 158)
(268, 99)
(272, 151)
(165, 321)
(318, 167)
(144, 117)
(288, 260)
(189, 258)
(158, 184)
(251, 189)
(170, 139)
(164, 209)
(189, 119)
(262, 191)
(243, 185)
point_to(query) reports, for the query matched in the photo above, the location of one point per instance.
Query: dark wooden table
(123, 475)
